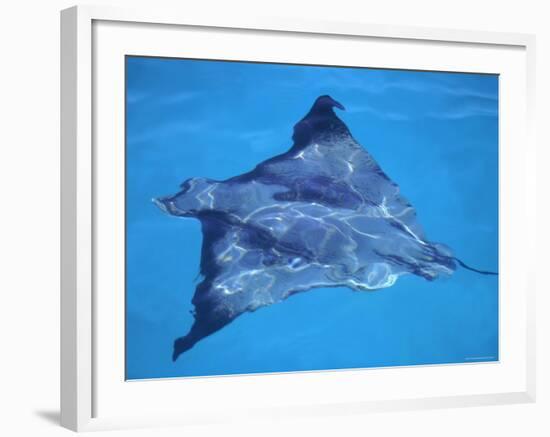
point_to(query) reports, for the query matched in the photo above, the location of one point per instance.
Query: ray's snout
(324, 103)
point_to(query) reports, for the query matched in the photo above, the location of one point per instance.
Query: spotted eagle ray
(322, 214)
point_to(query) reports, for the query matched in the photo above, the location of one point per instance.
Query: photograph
(292, 217)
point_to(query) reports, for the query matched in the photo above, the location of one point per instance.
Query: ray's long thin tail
(483, 272)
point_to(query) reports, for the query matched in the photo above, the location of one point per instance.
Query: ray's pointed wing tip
(183, 344)
(162, 204)
(157, 201)
(175, 356)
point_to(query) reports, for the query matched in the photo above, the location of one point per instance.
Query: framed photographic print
(268, 218)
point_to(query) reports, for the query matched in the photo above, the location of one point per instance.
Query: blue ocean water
(434, 134)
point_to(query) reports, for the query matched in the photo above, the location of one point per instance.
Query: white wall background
(29, 231)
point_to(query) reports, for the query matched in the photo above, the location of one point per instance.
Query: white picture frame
(85, 354)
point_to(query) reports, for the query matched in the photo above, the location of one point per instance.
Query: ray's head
(324, 104)
(319, 121)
